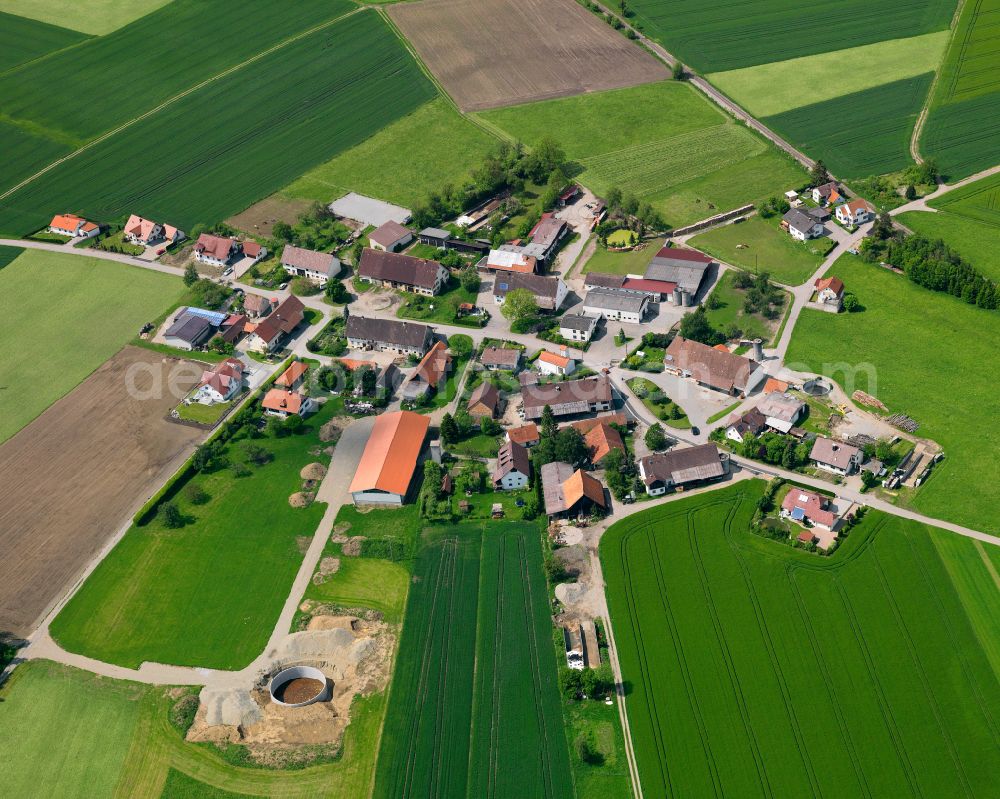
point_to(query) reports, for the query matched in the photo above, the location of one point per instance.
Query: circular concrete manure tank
(299, 686)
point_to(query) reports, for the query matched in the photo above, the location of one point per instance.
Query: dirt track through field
(489, 53)
(71, 478)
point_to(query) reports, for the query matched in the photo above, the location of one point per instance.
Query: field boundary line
(990, 568)
(171, 100)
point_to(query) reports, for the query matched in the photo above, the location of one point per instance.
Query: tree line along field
(474, 705)
(962, 132)
(663, 142)
(761, 670)
(83, 736)
(728, 34)
(23, 39)
(901, 319)
(858, 134)
(240, 137)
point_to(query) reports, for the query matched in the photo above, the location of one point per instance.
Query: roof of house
(752, 422)
(545, 289)
(525, 434)
(566, 397)
(137, 226)
(563, 487)
(800, 220)
(685, 465)
(189, 327)
(562, 361)
(576, 321)
(601, 439)
(435, 233)
(721, 370)
(255, 303)
(501, 356)
(833, 453)
(806, 536)
(389, 331)
(773, 385)
(284, 319)
(858, 204)
(216, 381)
(685, 268)
(810, 504)
(434, 365)
(511, 457)
(285, 401)
(398, 268)
(292, 374)
(511, 260)
(222, 374)
(586, 425)
(615, 300)
(485, 394)
(215, 246)
(301, 258)
(547, 231)
(818, 212)
(391, 454)
(389, 233)
(67, 221)
(828, 188)
(835, 284)
(783, 407)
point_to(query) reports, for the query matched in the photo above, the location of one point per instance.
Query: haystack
(300, 499)
(313, 471)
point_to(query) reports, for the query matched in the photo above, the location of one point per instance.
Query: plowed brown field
(489, 53)
(72, 478)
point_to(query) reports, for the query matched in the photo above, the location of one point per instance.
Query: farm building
(656, 290)
(577, 327)
(781, 411)
(431, 370)
(801, 505)
(513, 469)
(272, 333)
(616, 305)
(282, 404)
(550, 292)
(801, 224)
(254, 250)
(509, 259)
(545, 237)
(589, 395)
(146, 232)
(549, 363)
(484, 401)
(407, 338)
(293, 376)
(830, 292)
(686, 269)
(526, 435)
(256, 305)
(390, 236)
(387, 465)
(434, 237)
(189, 331)
(220, 383)
(740, 427)
(599, 436)
(403, 272)
(835, 456)
(216, 250)
(855, 212)
(713, 368)
(368, 210)
(570, 492)
(682, 467)
(319, 267)
(73, 226)
(507, 359)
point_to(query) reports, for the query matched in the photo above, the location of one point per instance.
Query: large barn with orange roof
(387, 465)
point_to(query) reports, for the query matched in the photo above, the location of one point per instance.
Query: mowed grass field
(474, 691)
(23, 39)
(761, 246)
(758, 670)
(96, 17)
(662, 142)
(56, 320)
(953, 340)
(729, 34)
(81, 736)
(779, 86)
(207, 594)
(962, 132)
(241, 137)
(859, 134)
(405, 161)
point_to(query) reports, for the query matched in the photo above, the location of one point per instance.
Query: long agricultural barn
(390, 459)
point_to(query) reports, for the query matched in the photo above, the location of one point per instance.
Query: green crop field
(963, 126)
(724, 35)
(25, 153)
(23, 40)
(365, 582)
(323, 93)
(403, 162)
(466, 702)
(209, 593)
(50, 302)
(779, 86)
(859, 134)
(954, 339)
(761, 246)
(97, 17)
(82, 736)
(662, 142)
(754, 669)
(151, 61)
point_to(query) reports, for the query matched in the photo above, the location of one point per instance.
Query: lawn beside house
(632, 262)
(59, 323)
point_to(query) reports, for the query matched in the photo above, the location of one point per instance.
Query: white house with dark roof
(390, 236)
(801, 225)
(616, 305)
(577, 327)
(319, 267)
(835, 456)
(550, 292)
